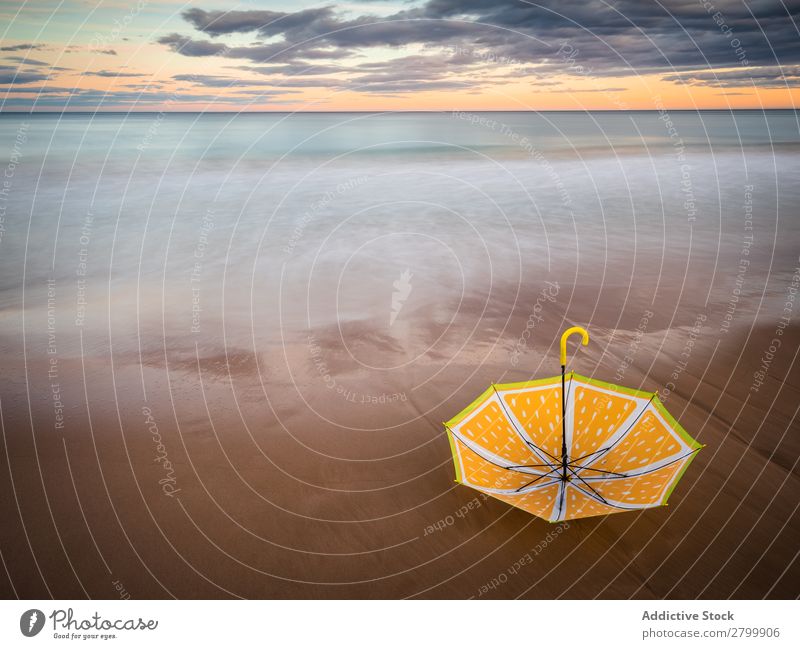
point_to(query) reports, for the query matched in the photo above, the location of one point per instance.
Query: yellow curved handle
(567, 334)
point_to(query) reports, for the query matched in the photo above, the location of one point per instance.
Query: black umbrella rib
(597, 493)
(544, 475)
(561, 497)
(566, 410)
(658, 468)
(564, 460)
(483, 457)
(536, 448)
(517, 430)
(605, 450)
(587, 468)
(583, 457)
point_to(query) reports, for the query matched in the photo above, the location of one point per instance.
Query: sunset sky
(120, 55)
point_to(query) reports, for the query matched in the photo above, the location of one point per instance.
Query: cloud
(11, 75)
(143, 86)
(623, 38)
(576, 90)
(633, 34)
(24, 60)
(217, 23)
(112, 74)
(272, 52)
(413, 73)
(765, 77)
(400, 87)
(35, 90)
(293, 69)
(81, 98)
(189, 47)
(213, 81)
(325, 25)
(417, 73)
(22, 46)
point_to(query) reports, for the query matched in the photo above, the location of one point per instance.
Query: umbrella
(570, 446)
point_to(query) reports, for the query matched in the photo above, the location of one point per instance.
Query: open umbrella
(570, 446)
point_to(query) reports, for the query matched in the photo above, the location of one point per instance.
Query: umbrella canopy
(570, 446)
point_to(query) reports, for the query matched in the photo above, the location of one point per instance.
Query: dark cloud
(325, 25)
(294, 69)
(32, 90)
(400, 87)
(402, 74)
(80, 98)
(205, 80)
(23, 46)
(576, 90)
(212, 81)
(113, 74)
(414, 73)
(634, 34)
(767, 77)
(306, 82)
(216, 23)
(272, 52)
(268, 93)
(24, 60)
(144, 86)
(11, 75)
(190, 47)
(620, 38)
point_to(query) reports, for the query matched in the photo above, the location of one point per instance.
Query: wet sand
(279, 484)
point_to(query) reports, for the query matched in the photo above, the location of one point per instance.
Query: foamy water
(255, 229)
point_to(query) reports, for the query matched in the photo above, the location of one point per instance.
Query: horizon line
(390, 111)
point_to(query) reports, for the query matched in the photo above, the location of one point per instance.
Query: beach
(228, 345)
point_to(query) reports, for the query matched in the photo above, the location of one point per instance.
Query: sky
(258, 55)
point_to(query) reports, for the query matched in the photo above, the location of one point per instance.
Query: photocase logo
(402, 287)
(31, 622)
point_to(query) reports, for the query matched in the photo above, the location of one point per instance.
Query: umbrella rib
(658, 468)
(527, 484)
(566, 410)
(561, 496)
(534, 447)
(564, 461)
(583, 457)
(553, 481)
(514, 426)
(588, 468)
(602, 451)
(597, 493)
(483, 457)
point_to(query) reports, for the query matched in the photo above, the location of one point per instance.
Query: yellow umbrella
(570, 446)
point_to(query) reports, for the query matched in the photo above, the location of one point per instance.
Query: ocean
(296, 219)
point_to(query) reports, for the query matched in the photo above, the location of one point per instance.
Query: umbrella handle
(567, 334)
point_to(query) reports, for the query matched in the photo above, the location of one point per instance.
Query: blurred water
(258, 226)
